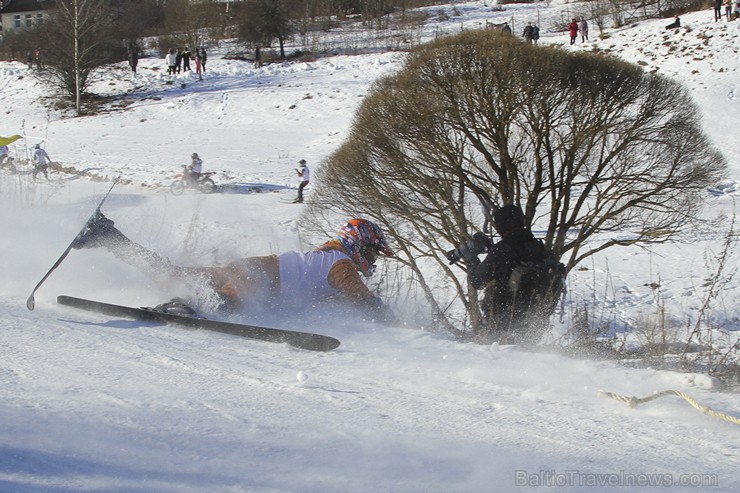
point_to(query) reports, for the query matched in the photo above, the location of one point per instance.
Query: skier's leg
(101, 232)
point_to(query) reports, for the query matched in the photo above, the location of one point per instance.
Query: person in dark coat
(257, 57)
(520, 278)
(535, 33)
(186, 59)
(675, 24)
(528, 32)
(133, 58)
(203, 58)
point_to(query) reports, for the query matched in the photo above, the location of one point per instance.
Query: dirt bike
(202, 183)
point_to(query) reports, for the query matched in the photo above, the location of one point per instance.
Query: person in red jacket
(573, 29)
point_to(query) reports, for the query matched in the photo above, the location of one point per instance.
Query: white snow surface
(96, 403)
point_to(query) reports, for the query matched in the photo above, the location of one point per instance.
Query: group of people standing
(728, 6)
(178, 60)
(576, 28)
(531, 33)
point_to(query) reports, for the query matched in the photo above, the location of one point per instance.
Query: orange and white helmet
(363, 240)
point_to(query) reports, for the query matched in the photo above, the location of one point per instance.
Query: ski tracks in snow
(487, 410)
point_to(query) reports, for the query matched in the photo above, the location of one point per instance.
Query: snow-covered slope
(90, 403)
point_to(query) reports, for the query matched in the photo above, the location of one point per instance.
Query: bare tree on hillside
(596, 151)
(76, 41)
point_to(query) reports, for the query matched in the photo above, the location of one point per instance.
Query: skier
(304, 175)
(289, 281)
(195, 168)
(520, 278)
(41, 161)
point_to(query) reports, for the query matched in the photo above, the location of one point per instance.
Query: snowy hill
(94, 403)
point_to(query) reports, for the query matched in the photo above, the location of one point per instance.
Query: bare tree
(596, 151)
(76, 41)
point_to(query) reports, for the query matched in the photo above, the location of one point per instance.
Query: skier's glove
(381, 313)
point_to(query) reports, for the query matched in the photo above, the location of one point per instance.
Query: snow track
(196, 402)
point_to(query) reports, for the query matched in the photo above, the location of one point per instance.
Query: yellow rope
(634, 401)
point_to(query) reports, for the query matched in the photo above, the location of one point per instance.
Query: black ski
(31, 302)
(303, 340)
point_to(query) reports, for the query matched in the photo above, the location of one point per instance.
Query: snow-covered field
(90, 403)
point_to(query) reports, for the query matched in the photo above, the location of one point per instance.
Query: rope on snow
(634, 401)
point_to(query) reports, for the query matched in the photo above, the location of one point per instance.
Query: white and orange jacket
(292, 279)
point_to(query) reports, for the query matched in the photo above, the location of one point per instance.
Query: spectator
(37, 58)
(133, 58)
(528, 32)
(178, 60)
(728, 10)
(583, 30)
(717, 10)
(506, 28)
(519, 276)
(535, 33)
(257, 57)
(171, 62)
(573, 30)
(203, 58)
(675, 24)
(186, 59)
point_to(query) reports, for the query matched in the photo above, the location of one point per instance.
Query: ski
(31, 302)
(302, 340)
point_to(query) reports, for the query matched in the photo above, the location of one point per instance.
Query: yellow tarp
(7, 140)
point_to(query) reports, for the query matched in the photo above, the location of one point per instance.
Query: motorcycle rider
(195, 169)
